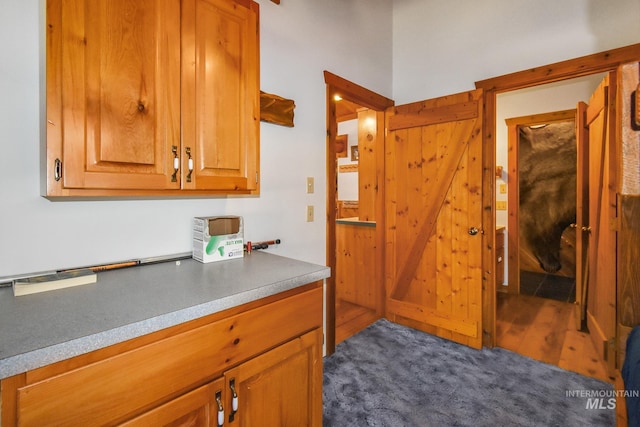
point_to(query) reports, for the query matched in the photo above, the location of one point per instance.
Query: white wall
(537, 100)
(444, 47)
(440, 48)
(299, 39)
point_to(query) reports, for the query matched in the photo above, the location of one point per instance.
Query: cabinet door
(282, 387)
(220, 94)
(113, 93)
(199, 407)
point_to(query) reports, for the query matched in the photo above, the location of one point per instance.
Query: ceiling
(347, 110)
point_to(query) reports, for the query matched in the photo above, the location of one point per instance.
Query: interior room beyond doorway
(543, 329)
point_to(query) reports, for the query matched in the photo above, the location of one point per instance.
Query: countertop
(40, 329)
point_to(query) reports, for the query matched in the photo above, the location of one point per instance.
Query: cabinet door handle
(234, 399)
(220, 408)
(176, 163)
(189, 163)
(57, 169)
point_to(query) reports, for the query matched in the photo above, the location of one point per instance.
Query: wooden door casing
(433, 202)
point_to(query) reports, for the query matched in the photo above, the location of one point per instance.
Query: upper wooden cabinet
(152, 98)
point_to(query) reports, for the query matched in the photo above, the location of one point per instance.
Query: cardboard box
(218, 238)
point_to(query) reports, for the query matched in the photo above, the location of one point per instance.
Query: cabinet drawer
(119, 387)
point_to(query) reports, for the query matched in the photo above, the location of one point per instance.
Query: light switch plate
(310, 213)
(310, 185)
(501, 205)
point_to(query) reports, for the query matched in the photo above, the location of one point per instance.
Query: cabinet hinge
(57, 169)
(256, 177)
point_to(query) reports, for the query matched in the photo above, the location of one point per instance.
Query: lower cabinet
(279, 385)
(253, 366)
(195, 408)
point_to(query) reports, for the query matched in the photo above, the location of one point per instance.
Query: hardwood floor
(539, 328)
(351, 319)
(545, 330)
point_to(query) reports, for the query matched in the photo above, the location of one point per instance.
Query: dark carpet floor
(392, 376)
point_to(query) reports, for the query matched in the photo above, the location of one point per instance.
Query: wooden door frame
(513, 184)
(603, 62)
(336, 85)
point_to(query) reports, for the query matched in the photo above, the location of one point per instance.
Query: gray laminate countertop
(40, 329)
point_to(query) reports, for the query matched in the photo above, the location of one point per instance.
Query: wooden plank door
(433, 200)
(600, 272)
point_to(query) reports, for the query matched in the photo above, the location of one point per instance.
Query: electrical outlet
(310, 185)
(503, 188)
(501, 205)
(310, 213)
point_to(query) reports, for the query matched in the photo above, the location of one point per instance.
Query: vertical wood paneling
(444, 264)
(356, 265)
(628, 266)
(413, 180)
(391, 209)
(628, 269)
(474, 254)
(460, 286)
(367, 137)
(428, 266)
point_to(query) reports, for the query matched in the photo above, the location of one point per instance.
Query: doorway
(358, 291)
(605, 62)
(535, 317)
(506, 85)
(355, 228)
(541, 207)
